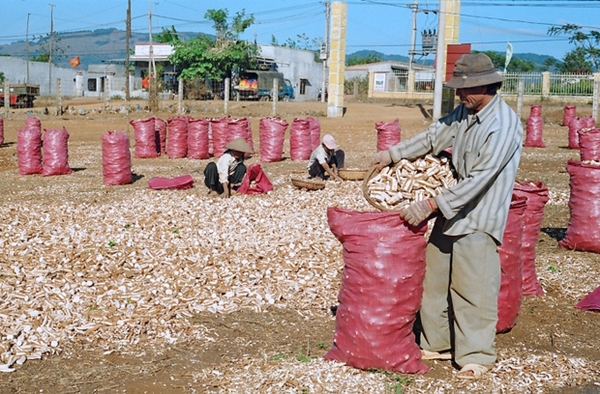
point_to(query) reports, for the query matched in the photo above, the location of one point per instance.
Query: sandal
(429, 355)
(473, 371)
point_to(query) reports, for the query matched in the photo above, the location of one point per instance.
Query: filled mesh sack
(271, 132)
(381, 290)
(300, 142)
(177, 137)
(589, 144)
(198, 139)
(569, 112)
(533, 136)
(116, 159)
(583, 231)
(511, 264)
(388, 134)
(56, 152)
(315, 132)
(537, 197)
(29, 151)
(147, 139)
(219, 131)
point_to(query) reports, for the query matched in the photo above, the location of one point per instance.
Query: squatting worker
(326, 159)
(229, 171)
(463, 264)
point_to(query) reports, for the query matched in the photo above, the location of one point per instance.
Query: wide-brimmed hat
(240, 145)
(329, 142)
(473, 70)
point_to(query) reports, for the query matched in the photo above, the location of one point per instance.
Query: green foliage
(204, 57)
(515, 64)
(167, 36)
(2, 77)
(576, 61)
(587, 44)
(370, 58)
(43, 54)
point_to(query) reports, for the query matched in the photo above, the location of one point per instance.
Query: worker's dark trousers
(211, 177)
(316, 169)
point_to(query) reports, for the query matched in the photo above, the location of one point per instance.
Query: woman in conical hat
(228, 172)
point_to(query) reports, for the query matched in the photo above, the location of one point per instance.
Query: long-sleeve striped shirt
(486, 150)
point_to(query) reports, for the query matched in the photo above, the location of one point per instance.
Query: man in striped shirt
(460, 290)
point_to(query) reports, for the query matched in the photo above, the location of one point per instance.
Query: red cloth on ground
(255, 181)
(180, 182)
(591, 302)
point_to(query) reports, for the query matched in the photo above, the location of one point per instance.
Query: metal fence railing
(542, 84)
(532, 83)
(571, 85)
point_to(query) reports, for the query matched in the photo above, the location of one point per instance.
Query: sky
(381, 25)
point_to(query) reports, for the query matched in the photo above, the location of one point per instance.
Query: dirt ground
(549, 335)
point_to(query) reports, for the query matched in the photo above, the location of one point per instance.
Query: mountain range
(103, 45)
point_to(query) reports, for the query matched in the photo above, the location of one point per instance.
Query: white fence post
(595, 98)
(520, 90)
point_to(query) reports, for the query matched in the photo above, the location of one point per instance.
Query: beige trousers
(460, 296)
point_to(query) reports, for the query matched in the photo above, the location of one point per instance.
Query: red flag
(75, 61)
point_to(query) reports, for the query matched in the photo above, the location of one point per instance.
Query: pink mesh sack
(380, 294)
(537, 197)
(533, 137)
(56, 153)
(147, 139)
(116, 159)
(161, 126)
(388, 134)
(315, 132)
(271, 133)
(29, 151)
(198, 139)
(177, 137)
(569, 112)
(583, 232)
(576, 125)
(589, 144)
(300, 142)
(511, 263)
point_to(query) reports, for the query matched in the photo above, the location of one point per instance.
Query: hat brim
(239, 145)
(465, 81)
(330, 145)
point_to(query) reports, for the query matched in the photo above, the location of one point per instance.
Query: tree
(167, 36)
(586, 43)
(43, 53)
(576, 62)
(516, 65)
(206, 57)
(370, 58)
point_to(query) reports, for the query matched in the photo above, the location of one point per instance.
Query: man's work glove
(419, 211)
(382, 159)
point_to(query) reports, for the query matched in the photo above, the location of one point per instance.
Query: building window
(92, 87)
(303, 83)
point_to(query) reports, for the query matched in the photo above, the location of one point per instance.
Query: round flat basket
(365, 188)
(308, 184)
(352, 174)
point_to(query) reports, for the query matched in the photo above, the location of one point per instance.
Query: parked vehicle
(257, 85)
(21, 95)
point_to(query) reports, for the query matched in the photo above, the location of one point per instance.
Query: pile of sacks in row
(583, 133)
(202, 138)
(583, 232)
(54, 150)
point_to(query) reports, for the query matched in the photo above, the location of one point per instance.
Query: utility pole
(27, 47)
(153, 88)
(50, 51)
(325, 51)
(439, 62)
(413, 37)
(127, 39)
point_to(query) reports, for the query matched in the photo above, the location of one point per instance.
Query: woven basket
(365, 188)
(308, 184)
(352, 174)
